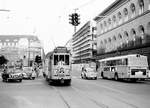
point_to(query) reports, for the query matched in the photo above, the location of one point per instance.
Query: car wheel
(81, 76)
(95, 78)
(102, 75)
(3, 80)
(33, 78)
(20, 80)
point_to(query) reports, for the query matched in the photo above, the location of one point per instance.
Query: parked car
(88, 73)
(33, 75)
(12, 74)
(28, 73)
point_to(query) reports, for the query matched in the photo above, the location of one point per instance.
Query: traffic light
(71, 18)
(38, 59)
(74, 19)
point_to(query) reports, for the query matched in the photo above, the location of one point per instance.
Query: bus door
(106, 71)
(112, 71)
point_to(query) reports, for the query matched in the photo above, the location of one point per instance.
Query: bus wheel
(116, 76)
(102, 75)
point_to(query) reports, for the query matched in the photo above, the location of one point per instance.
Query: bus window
(67, 59)
(55, 59)
(119, 62)
(125, 61)
(106, 69)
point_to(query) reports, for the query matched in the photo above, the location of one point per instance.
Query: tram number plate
(61, 75)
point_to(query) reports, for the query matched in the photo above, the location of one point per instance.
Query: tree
(3, 60)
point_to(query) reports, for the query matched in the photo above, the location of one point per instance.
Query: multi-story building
(82, 44)
(124, 28)
(16, 47)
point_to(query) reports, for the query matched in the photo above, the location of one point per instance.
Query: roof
(11, 38)
(111, 7)
(119, 57)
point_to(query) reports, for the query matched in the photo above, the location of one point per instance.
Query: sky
(47, 19)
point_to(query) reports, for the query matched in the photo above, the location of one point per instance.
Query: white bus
(131, 67)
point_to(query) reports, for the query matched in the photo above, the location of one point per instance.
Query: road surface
(81, 94)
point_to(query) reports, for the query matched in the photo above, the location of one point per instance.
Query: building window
(109, 22)
(133, 34)
(114, 38)
(109, 39)
(141, 5)
(114, 21)
(142, 33)
(120, 36)
(125, 14)
(126, 36)
(133, 37)
(105, 26)
(101, 25)
(148, 33)
(120, 17)
(132, 6)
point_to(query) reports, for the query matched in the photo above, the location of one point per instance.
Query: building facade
(82, 44)
(124, 28)
(17, 47)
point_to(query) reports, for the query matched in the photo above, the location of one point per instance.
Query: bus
(58, 66)
(131, 67)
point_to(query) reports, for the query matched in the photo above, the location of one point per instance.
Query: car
(88, 73)
(29, 73)
(33, 75)
(12, 74)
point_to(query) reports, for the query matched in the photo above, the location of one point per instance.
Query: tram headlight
(55, 71)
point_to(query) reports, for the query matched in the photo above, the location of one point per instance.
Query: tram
(57, 66)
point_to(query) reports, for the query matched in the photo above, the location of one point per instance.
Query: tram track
(62, 97)
(101, 105)
(112, 96)
(92, 98)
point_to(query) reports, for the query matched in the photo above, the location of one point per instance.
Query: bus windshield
(61, 59)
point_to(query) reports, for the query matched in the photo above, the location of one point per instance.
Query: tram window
(67, 59)
(61, 58)
(55, 59)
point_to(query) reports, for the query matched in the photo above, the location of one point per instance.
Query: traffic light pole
(75, 29)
